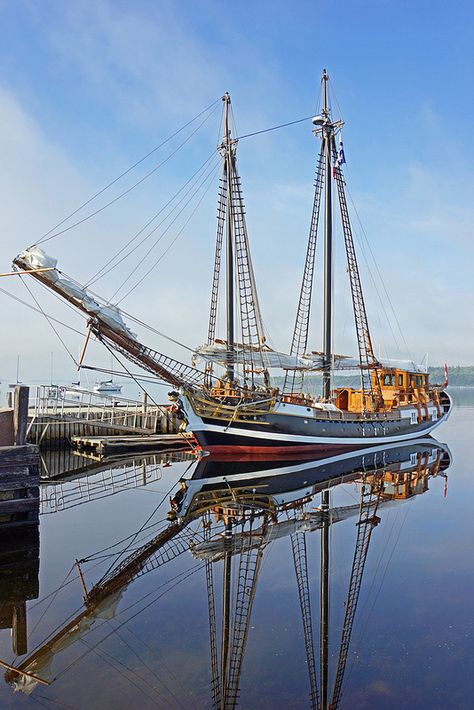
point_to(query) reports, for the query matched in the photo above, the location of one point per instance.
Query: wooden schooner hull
(299, 428)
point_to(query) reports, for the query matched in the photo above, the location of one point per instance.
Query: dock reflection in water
(202, 567)
(70, 479)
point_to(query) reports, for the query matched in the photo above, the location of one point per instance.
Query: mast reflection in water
(227, 514)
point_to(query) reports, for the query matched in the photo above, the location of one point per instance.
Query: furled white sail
(35, 258)
(264, 358)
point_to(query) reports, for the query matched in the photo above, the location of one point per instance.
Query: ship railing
(222, 410)
(232, 413)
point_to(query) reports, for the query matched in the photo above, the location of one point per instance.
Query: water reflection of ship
(286, 480)
(236, 520)
(250, 517)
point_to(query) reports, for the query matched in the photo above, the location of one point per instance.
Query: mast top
(324, 80)
(227, 141)
(322, 122)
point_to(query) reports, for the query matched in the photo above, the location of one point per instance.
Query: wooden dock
(19, 481)
(58, 414)
(104, 446)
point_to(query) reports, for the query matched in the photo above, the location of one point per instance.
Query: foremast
(241, 299)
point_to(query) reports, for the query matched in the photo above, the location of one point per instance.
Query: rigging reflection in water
(226, 513)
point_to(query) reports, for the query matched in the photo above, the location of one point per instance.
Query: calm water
(412, 640)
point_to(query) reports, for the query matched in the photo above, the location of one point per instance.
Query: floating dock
(104, 446)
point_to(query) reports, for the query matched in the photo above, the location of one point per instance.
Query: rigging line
(168, 670)
(273, 128)
(377, 594)
(129, 315)
(38, 310)
(172, 243)
(156, 332)
(360, 243)
(379, 273)
(210, 173)
(139, 544)
(53, 599)
(387, 539)
(104, 270)
(32, 697)
(57, 702)
(152, 670)
(159, 406)
(181, 577)
(48, 596)
(49, 321)
(133, 676)
(129, 189)
(333, 95)
(63, 301)
(129, 169)
(135, 535)
(103, 621)
(95, 555)
(149, 379)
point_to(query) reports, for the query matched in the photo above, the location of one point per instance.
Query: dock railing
(136, 473)
(55, 407)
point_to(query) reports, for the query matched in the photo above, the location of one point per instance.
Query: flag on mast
(341, 158)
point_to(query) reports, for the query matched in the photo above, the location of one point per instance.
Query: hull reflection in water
(226, 513)
(287, 480)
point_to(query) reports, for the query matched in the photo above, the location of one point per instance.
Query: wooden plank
(7, 436)
(18, 505)
(20, 413)
(11, 456)
(11, 483)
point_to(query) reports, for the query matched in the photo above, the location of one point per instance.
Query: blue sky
(87, 88)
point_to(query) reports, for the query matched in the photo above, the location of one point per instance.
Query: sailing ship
(239, 406)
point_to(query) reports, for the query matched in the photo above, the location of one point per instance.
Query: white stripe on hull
(298, 439)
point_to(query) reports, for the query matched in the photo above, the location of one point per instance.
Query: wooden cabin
(399, 387)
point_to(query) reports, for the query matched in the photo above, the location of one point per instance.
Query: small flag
(341, 158)
(445, 490)
(446, 375)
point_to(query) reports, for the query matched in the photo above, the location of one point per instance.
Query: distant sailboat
(107, 387)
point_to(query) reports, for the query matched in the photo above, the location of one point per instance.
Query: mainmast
(326, 129)
(228, 177)
(327, 134)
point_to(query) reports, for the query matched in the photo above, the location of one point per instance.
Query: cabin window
(419, 380)
(388, 380)
(400, 380)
